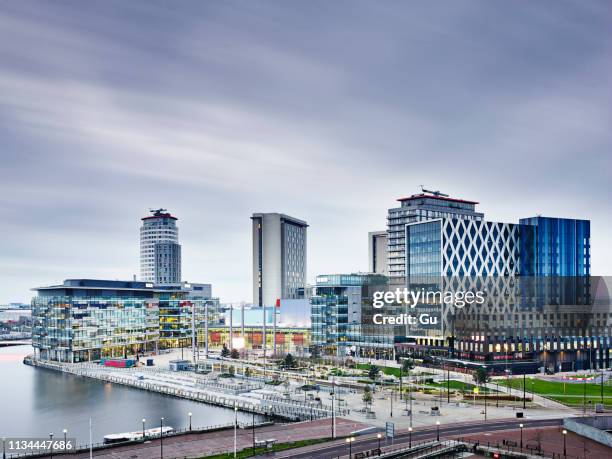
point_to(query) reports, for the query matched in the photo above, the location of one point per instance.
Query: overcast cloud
(326, 111)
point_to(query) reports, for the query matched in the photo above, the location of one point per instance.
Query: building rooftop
(432, 196)
(297, 221)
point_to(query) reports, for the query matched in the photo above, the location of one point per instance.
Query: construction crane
(435, 193)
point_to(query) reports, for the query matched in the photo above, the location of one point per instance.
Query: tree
(288, 362)
(315, 352)
(367, 395)
(373, 372)
(481, 376)
(247, 372)
(407, 365)
(235, 354)
(225, 351)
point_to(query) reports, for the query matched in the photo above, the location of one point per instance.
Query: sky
(325, 111)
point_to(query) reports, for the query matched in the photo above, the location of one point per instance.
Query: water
(36, 401)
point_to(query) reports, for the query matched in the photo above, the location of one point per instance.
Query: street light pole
(437, 430)
(190, 414)
(235, 430)
(143, 428)
(379, 436)
(521, 426)
(524, 380)
(65, 431)
(51, 445)
(409, 437)
(564, 443)
(254, 428)
(161, 437)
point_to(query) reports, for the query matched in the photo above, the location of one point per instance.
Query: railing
(289, 409)
(101, 446)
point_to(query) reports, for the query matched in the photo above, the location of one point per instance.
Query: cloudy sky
(327, 111)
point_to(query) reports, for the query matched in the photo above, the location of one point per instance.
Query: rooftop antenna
(158, 212)
(435, 193)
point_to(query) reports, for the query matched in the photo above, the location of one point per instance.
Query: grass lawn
(459, 385)
(248, 452)
(567, 393)
(390, 371)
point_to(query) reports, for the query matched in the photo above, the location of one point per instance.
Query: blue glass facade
(561, 246)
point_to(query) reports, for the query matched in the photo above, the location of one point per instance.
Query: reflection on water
(35, 402)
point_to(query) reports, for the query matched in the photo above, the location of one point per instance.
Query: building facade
(416, 208)
(378, 262)
(87, 319)
(279, 258)
(340, 320)
(535, 274)
(160, 251)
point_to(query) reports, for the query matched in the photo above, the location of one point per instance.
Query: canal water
(36, 401)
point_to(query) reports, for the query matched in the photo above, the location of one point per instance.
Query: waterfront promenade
(249, 395)
(203, 444)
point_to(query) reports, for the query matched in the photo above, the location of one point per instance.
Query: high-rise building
(279, 258)
(538, 310)
(377, 252)
(416, 208)
(160, 252)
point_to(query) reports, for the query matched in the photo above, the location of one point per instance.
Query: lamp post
(190, 414)
(564, 443)
(161, 437)
(65, 431)
(521, 426)
(143, 428)
(379, 436)
(437, 430)
(391, 400)
(333, 395)
(4, 447)
(51, 445)
(350, 441)
(235, 430)
(409, 437)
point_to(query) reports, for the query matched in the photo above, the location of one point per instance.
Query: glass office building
(539, 311)
(86, 319)
(339, 311)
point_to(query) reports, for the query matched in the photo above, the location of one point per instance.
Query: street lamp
(51, 445)
(409, 437)
(143, 428)
(190, 414)
(235, 429)
(521, 426)
(350, 443)
(391, 399)
(65, 431)
(564, 443)
(161, 437)
(379, 436)
(437, 430)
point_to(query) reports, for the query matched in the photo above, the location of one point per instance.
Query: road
(339, 448)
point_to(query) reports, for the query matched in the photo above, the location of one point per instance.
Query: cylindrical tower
(160, 252)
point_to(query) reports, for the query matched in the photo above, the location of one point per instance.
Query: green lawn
(459, 385)
(248, 452)
(390, 371)
(567, 393)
